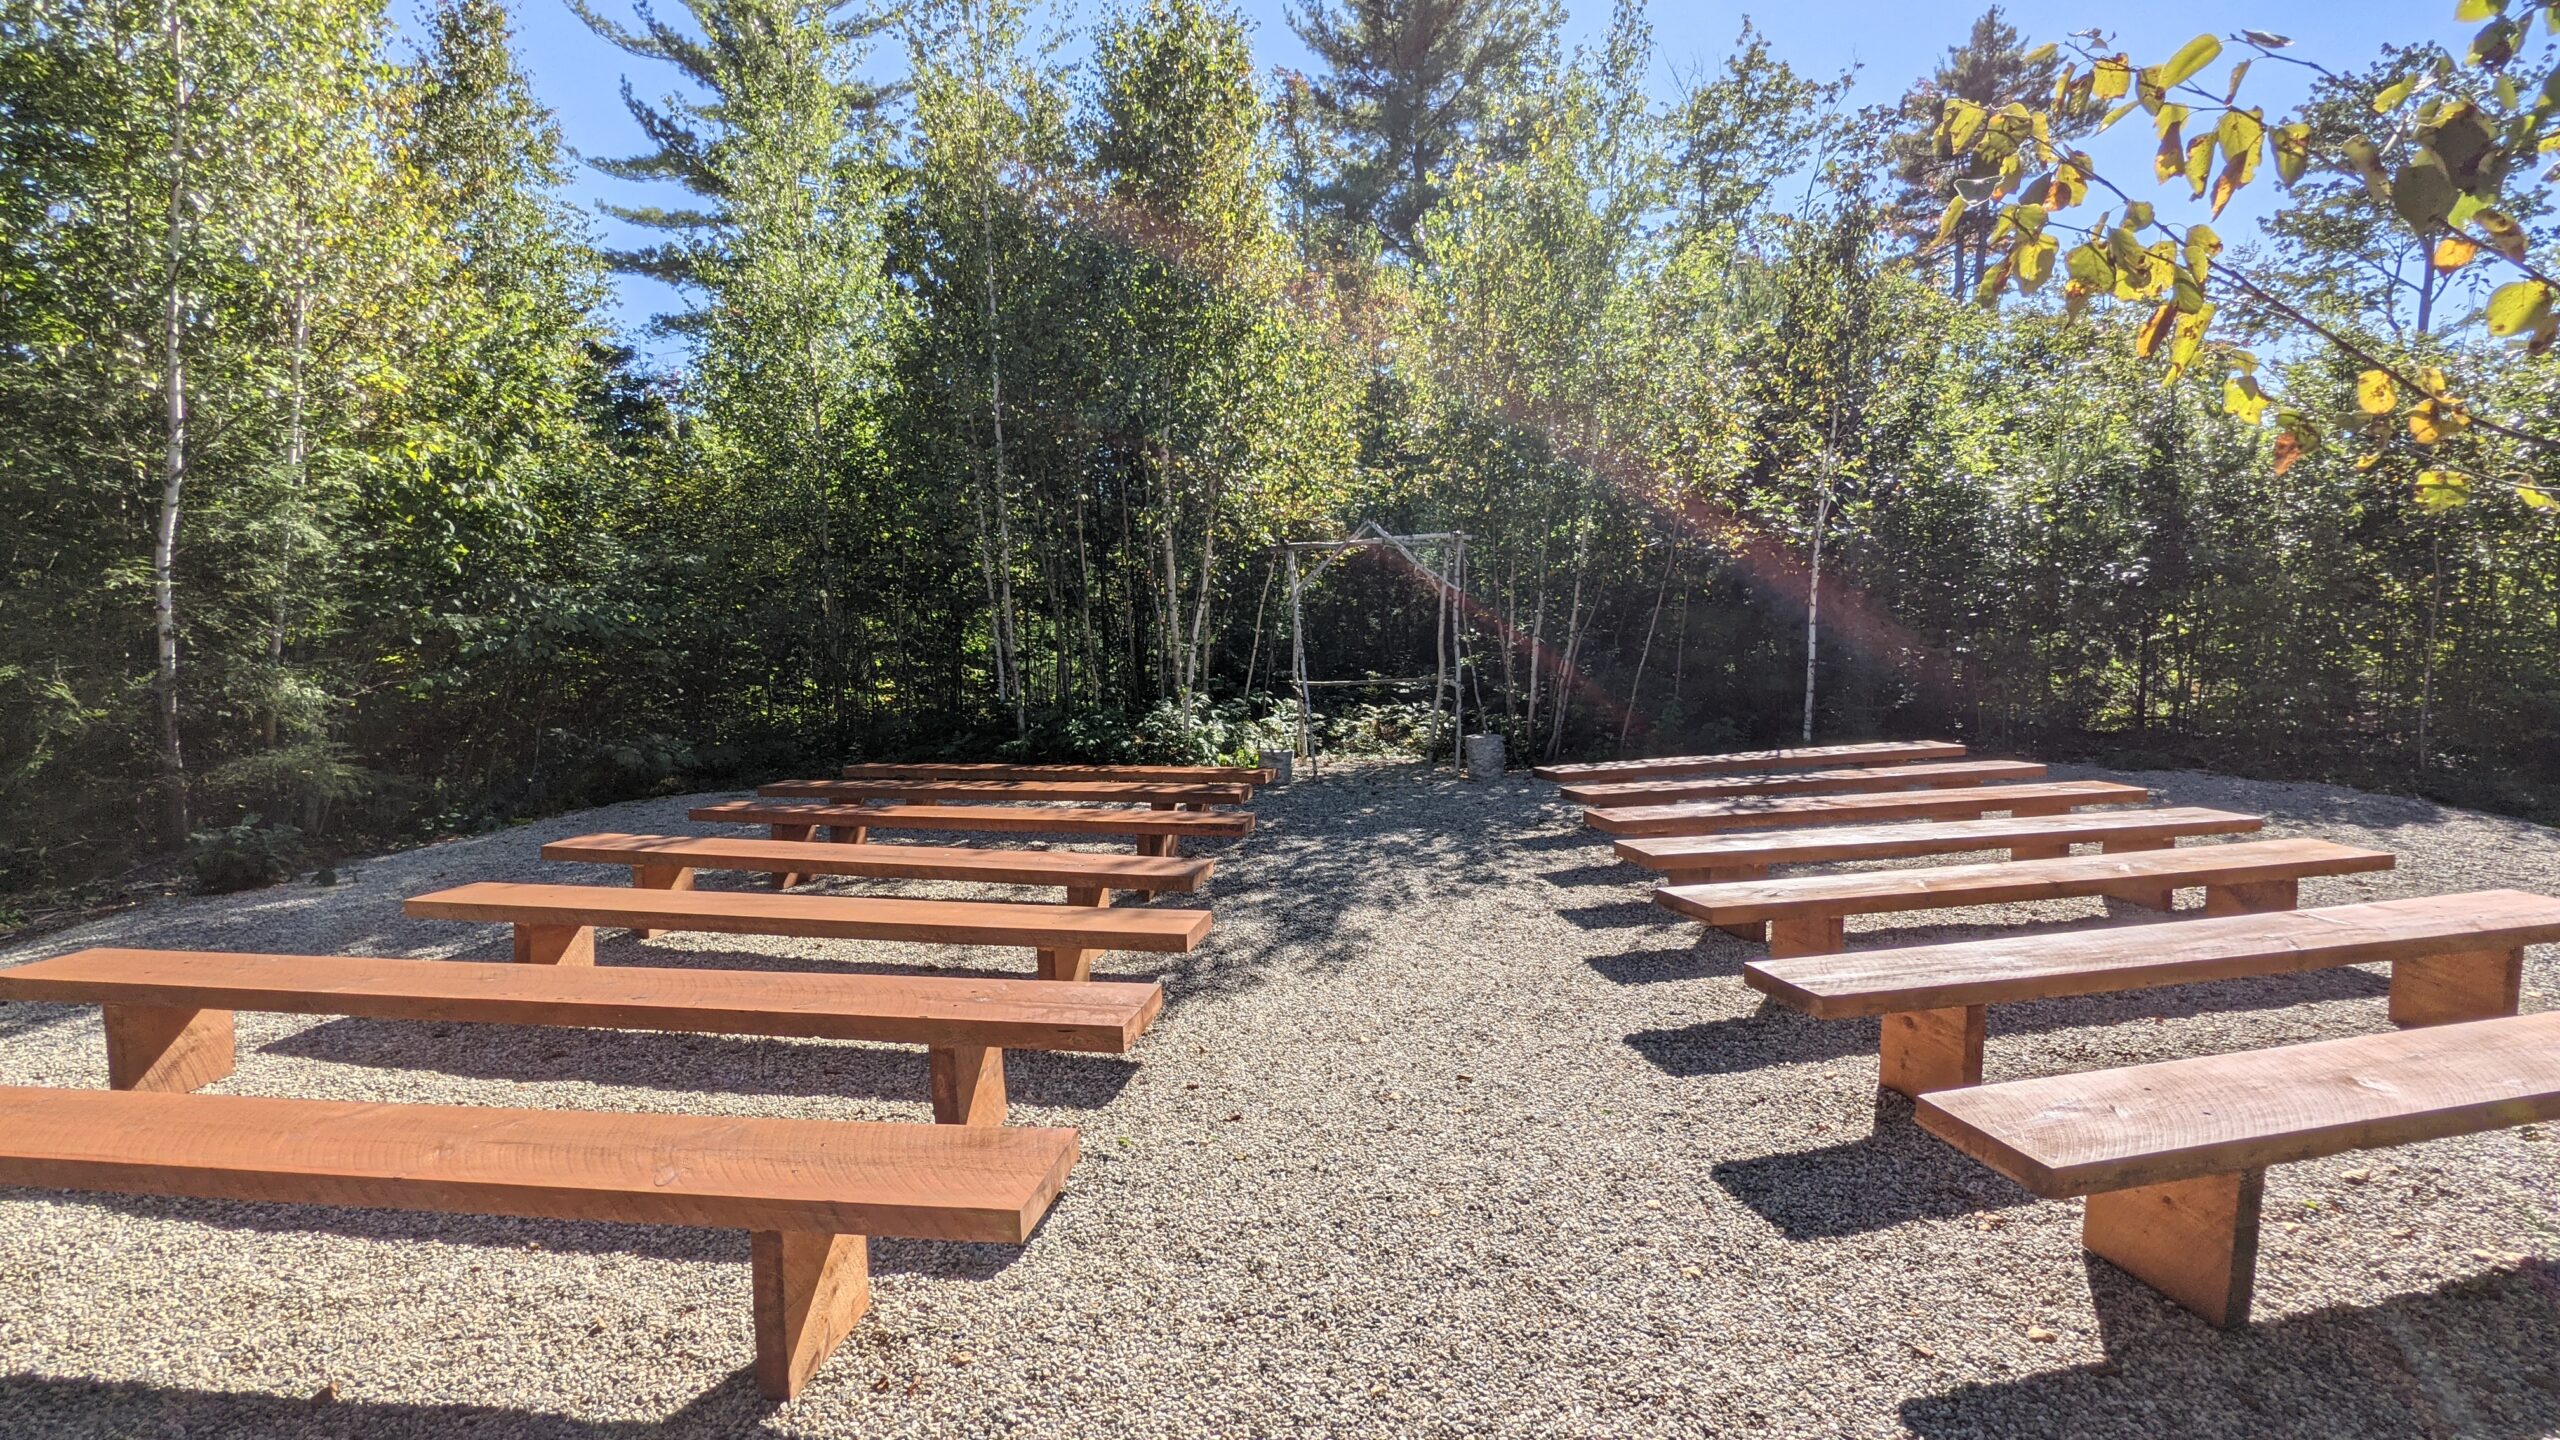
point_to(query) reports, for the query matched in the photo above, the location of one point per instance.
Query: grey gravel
(1445, 1132)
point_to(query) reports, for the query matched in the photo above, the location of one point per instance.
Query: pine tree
(1406, 83)
(1992, 68)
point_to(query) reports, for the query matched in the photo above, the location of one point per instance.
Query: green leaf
(2190, 60)
(2519, 306)
(2423, 192)
(2393, 94)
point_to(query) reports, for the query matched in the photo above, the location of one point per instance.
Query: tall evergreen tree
(1405, 84)
(1993, 67)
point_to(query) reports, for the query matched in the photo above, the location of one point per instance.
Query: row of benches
(808, 1192)
(2170, 1157)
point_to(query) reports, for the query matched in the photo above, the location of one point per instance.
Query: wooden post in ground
(167, 1047)
(2195, 1241)
(811, 1288)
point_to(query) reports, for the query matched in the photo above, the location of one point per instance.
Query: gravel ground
(1444, 1132)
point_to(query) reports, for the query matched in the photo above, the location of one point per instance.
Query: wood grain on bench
(554, 924)
(667, 862)
(1942, 774)
(1697, 859)
(2453, 957)
(809, 1191)
(1123, 792)
(1805, 911)
(1877, 752)
(1175, 774)
(1156, 831)
(1778, 812)
(168, 1012)
(2173, 1155)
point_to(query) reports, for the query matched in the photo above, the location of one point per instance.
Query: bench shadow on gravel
(2471, 1358)
(691, 1063)
(1895, 1173)
(1777, 1035)
(57, 1406)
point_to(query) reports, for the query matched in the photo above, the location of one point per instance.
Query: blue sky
(580, 76)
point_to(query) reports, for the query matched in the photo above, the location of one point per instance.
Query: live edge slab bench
(1157, 832)
(2173, 1156)
(667, 862)
(808, 1192)
(556, 924)
(1880, 752)
(169, 1027)
(1804, 913)
(1806, 782)
(984, 792)
(2452, 958)
(1778, 812)
(1697, 859)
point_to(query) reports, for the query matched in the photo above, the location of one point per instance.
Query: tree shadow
(687, 1062)
(25, 1017)
(1613, 873)
(1620, 915)
(63, 1408)
(2472, 1358)
(1893, 1174)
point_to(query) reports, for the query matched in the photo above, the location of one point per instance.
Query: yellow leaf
(2191, 58)
(2519, 306)
(2242, 397)
(2442, 489)
(2537, 497)
(2455, 251)
(2113, 76)
(1947, 222)
(2155, 330)
(2376, 393)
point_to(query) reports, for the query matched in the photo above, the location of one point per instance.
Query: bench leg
(2149, 897)
(2195, 1241)
(167, 1047)
(1066, 963)
(848, 834)
(1162, 805)
(1928, 1050)
(1093, 897)
(2465, 985)
(2042, 807)
(2256, 898)
(811, 1288)
(968, 1084)
(784, 880)
(660, 877)
(1806, 935)
(2050, 850)
(555, 945)
(1755, 932)
(1157, 845)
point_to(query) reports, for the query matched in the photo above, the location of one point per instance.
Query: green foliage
(246, 856)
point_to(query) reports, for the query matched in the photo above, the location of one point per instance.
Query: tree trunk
(1626, 723)
(173, 476)
(297, 464)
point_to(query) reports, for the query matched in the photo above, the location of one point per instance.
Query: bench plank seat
(555, 923)
(1696, 859)
(1175, 774)
(1875, 752)
(1807, 782)
(1806, 910)
(956, 1017)
(2173, 1155)
(2453, 958)
(809, 1191)
(1778, 812)
(990, 792)
(1156, 831)
(666, 862)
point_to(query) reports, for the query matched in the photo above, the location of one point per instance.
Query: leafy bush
(245, 856)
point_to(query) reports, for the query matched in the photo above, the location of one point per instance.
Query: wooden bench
(808, 1192)
(1157, 832)
(2452, 958)
(1697, 859)
(1176, 774)
(556, 924)
(1878, 752)
(1804, 913)
(993, 792)
(2173, 1156)
(1807, 782)
(1777, 812)
(667, 862)
(169, 1026)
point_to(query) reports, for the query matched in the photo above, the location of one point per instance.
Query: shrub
(245, 856)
